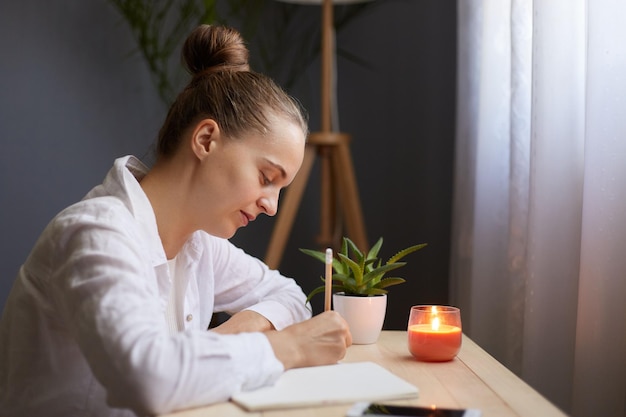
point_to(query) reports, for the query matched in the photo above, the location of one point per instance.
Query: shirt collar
(122, 181)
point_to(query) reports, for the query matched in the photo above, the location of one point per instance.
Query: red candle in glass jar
(434, 333)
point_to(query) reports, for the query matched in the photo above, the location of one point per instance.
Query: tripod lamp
(339, 201)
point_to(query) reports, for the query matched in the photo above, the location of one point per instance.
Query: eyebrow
(283, 173)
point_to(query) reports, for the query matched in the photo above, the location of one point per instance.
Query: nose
(269, 203)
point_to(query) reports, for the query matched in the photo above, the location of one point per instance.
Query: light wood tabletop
(474, 379)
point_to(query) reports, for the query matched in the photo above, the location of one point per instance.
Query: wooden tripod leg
(288, 209)
(327, 197)
(348, 191)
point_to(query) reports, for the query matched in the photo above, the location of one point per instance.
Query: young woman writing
(109, 313)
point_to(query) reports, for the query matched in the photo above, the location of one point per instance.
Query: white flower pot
(364, 315)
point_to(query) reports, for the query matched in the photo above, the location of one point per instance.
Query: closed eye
(277, 172)
(264, 179)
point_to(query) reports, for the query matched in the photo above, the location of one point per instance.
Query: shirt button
(189, 317)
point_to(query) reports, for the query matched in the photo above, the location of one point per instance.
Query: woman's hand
(321, 340)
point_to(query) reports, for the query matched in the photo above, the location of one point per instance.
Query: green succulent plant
(358, 273)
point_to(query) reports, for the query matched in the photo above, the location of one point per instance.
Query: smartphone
(374, 409)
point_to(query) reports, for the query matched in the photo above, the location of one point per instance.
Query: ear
(205, 137)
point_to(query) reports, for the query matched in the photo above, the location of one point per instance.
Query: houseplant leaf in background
(287, 44)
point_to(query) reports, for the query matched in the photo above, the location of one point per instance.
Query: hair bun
(213, 48)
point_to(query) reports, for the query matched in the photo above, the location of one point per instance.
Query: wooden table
(473, 380)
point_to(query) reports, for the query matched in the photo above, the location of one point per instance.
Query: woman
(108, 315)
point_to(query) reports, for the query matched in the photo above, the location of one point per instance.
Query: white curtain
(539, 230)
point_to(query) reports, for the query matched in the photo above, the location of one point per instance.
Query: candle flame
(435, 323)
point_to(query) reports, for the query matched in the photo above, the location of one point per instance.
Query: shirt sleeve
(106, 293)
(243, 282)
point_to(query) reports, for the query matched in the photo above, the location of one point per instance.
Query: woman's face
(242, 177)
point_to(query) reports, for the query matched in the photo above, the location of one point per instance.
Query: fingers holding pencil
(320, 340)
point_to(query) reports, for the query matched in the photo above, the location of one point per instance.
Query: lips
(247, 218)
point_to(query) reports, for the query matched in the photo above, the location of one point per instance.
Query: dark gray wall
(72, 100)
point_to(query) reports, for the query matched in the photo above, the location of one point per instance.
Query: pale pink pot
(365, 315)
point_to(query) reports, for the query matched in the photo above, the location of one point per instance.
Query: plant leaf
(316, 254)
(374, 291)
(351, 246)
(321, 256)
(376, 274)
(357, 272)
(317, 290)
(388, 282)
(358, 257)
(401, 254)
(345, 279)
(373, 253)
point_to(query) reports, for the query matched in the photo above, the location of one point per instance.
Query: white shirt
(84, 330)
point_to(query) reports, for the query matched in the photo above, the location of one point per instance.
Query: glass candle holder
(434, 332)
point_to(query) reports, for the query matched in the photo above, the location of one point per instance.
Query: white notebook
(325, 385)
